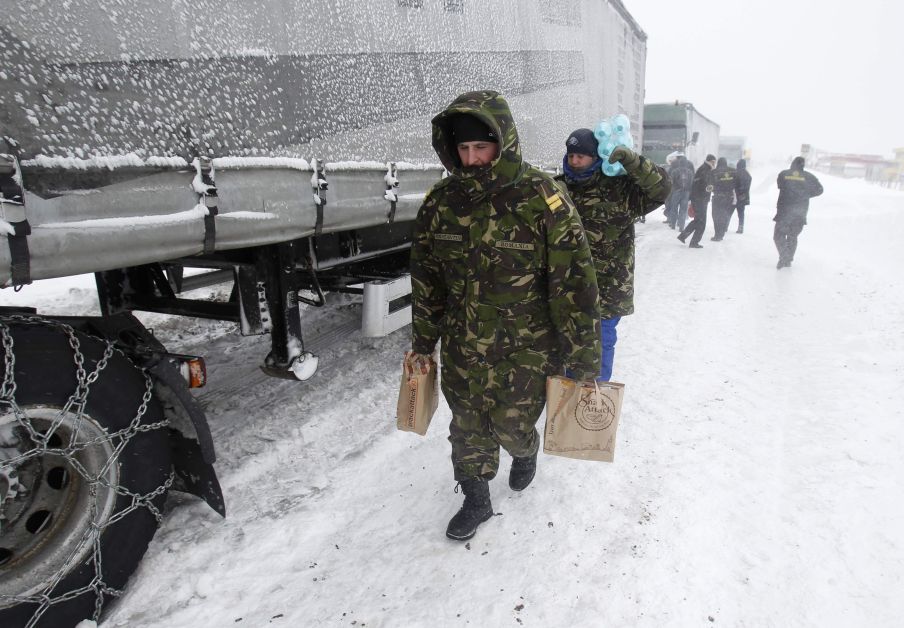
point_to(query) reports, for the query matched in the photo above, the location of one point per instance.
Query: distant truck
(678, 127)
(733, 148)
(284, 150)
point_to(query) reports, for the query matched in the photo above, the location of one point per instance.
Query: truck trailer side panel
(107, 109)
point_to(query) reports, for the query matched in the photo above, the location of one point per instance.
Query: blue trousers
(678, 214)
(609, 337)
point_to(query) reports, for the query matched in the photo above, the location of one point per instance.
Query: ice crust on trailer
(89, 87)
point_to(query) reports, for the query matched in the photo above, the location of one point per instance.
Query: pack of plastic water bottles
(610, 133)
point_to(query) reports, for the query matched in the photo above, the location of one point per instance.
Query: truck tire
(62, 469)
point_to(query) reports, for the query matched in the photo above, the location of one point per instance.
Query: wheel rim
(55, 499)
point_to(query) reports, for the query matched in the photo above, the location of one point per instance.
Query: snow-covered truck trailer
(734, 148)
(678, 127)
(281, 145)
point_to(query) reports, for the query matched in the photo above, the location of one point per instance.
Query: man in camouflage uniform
(608, 207)
(500, 272)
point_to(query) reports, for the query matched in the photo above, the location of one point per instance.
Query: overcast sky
(827, 73)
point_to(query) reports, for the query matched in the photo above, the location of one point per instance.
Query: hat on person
(467, 128)
(798, 163)
(582, 141)
(710, 157)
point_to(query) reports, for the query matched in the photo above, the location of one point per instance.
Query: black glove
(628, 158)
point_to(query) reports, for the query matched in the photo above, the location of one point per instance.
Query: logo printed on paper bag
(412, 403)
(594, 412)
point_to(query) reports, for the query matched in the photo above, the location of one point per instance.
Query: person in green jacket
(608, 207)
(501, 275)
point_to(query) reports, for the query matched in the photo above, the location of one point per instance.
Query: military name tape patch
(521, 246)
(450, 237)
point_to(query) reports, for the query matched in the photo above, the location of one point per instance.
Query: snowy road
(757, 482)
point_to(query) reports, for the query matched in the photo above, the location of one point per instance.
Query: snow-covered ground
(758, 477)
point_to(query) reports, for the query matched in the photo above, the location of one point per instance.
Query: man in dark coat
(724, 184)
(701, 189)
(742, 177)
(796, 188)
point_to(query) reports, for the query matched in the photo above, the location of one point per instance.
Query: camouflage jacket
(608, 207)
(499, 260)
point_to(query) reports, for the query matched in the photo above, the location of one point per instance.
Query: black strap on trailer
(319, 187)
(20, 261)
(209, 199)
(13, 204)
(392, 186)
(210, 223)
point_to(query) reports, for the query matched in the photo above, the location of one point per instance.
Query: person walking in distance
(681, 175)
(670, 161)
(743, 192)
(502, 277)
(701, 188)
(608, 207)
(724, 184)
(796, 187)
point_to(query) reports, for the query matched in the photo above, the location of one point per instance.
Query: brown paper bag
(418, 398)
(581, 418)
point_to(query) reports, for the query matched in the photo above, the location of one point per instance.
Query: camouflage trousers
(494, 406)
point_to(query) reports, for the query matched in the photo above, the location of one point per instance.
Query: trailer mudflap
(193, 474)
(192, 445)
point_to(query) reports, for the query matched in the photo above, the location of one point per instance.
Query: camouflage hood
(493, 110)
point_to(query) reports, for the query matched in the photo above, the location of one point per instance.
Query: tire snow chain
(118, 441)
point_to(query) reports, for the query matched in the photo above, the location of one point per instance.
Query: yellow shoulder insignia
(550, 192)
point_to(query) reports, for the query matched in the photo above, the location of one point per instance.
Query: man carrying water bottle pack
(609, 200)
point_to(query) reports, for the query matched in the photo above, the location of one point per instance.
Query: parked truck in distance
(678, 127)
(734, 148)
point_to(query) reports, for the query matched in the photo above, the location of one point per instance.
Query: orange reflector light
(194, 370)
(197, 373)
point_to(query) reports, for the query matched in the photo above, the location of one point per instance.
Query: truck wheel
(84, 471)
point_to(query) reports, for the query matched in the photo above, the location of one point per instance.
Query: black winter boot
(476, 509)
(523, 471)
